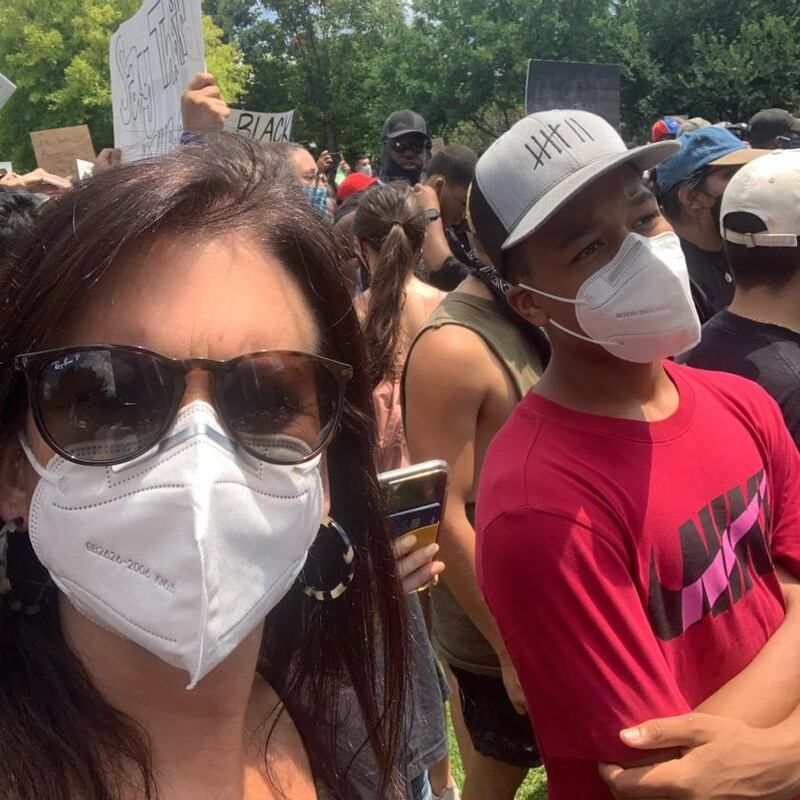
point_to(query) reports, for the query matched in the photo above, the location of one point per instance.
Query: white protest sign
(6, 89)
(261, 127)
(84, 169)
(153, 55)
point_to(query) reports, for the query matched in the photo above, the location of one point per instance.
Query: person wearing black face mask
(689, 186)
(406, 147)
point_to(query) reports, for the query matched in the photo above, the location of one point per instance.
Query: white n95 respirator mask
(639, 306)
(184, 550)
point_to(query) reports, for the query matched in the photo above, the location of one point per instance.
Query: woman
(390, 228)
(160, 502)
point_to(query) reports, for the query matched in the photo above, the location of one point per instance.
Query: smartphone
(416, 496)
(337, 159)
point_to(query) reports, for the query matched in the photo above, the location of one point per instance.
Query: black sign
(574, 84)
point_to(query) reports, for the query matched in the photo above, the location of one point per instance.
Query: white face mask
(184, 550)
(366, 169)
(639, 306)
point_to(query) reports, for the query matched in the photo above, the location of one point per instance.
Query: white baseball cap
(768, 188)
(539, 165)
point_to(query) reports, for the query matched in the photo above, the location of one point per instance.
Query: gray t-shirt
(426, 742)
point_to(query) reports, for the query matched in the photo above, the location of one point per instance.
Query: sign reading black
(574, 84)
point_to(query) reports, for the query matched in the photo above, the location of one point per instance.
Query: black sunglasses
(415, 144)
(107, 404)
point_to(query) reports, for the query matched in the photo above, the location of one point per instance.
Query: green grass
(534, 788)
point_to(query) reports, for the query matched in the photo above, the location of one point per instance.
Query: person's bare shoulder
(452, 355)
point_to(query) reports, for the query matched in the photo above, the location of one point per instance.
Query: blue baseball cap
(705, 147)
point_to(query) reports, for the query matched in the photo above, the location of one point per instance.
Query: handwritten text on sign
(261, 127)
(57, 149)
(153, 55)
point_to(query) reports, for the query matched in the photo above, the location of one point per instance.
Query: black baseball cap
(402, 122)
(772, 122)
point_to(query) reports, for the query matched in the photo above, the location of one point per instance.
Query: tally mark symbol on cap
(549, 140)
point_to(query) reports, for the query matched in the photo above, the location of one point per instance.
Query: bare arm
(435, 248)
(768, 689)
(445, 389)
(746, 735)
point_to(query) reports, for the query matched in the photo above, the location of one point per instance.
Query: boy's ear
(527, 305)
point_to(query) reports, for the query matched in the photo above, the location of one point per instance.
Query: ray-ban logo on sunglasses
(63, 363)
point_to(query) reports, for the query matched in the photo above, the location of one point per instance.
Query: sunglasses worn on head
(416, 144)
(107, 404)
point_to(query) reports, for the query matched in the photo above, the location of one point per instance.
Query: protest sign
(6, 89)
(261, 127)
(574, 84)
(84, 169)
(153, 55)
(57, 148)
(437, 144)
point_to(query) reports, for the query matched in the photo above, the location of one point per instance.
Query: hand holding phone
(417, 568)
(415, 498)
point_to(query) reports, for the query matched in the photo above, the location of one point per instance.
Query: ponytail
(391, 220)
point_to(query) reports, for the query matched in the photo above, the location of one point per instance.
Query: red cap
(354, 182)
(665, 129)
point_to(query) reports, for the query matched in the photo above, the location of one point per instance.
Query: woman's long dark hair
(58, 736)
(391, 220)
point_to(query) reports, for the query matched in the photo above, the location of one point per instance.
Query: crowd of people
(206, 359)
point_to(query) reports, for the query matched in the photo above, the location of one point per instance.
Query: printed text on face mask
(131, 564)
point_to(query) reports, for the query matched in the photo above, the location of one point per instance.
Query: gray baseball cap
(540, 164)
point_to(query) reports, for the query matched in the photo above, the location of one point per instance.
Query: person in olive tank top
(465, 371)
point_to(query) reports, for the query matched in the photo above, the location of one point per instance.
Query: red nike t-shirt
(629, 565)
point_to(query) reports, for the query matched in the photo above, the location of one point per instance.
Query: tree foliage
(462, 63)
(56, 51)
(345, 65)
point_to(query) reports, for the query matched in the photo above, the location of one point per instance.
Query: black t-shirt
(767, 354)
(712, 280)
(449, 275)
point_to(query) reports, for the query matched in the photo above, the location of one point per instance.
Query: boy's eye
(589, 250)
(648, 218)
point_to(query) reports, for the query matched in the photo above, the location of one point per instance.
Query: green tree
(316, 57)
(720, 59)
(761, 65)
(463, 63)
(56, 51)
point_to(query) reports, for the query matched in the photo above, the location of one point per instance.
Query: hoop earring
(327, 526)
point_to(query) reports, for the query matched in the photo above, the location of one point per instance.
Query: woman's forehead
(195, 297)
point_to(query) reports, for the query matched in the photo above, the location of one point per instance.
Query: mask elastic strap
(581, 336)
(34, 462)
(561, 327)
(571, 301)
